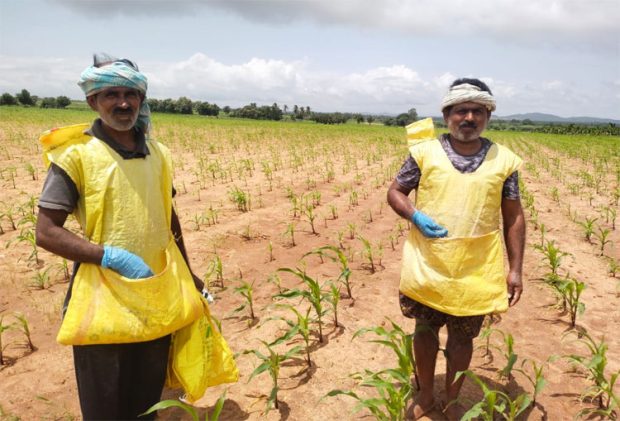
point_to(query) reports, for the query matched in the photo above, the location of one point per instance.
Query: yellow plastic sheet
(106, 307)
(200, 358)
(462, 274)
(458, 276)
(419, 131)
(57, 140)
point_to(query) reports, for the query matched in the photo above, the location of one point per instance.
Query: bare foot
(454, 411)
(420, 407)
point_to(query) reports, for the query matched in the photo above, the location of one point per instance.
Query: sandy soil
(41, 385)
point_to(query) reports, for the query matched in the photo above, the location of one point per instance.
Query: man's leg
(425, 347)
(98, 371)
(459, 350)
(146, 375)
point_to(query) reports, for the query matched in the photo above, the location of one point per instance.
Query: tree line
(184, 105)
(605, 129)
(527, 125)
(26, 99)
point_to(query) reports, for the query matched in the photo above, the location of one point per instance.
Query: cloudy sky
(380, 56)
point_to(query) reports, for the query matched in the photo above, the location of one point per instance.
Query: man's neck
(126, 138)
(465, 148)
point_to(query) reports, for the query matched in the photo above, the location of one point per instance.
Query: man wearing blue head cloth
(131, 286)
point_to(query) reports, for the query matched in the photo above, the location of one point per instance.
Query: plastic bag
(200, 358)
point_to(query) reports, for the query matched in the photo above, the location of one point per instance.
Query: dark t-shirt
(409, 174)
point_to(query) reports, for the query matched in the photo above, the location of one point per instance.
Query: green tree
(275, 112)
(168, 105)
(7, 99)
(62, 101)
(154, 104)
(25, 98)
(204, 108)
(413, 115)
(183, 106)
(48, 102)
(248, 111)
(390, 122)
(402, 119)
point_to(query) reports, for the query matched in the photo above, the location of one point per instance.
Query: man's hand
(427, 226)
(125, 263)
(515, 287)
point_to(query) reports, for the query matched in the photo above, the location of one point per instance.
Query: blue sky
(560, 57)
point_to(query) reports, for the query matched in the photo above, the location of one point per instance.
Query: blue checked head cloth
(108, 72)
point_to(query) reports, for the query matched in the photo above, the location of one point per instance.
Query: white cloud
(42, 76)
(391, 89)
(201, 77)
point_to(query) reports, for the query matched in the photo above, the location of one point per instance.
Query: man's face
(466, 121)
(118, 107)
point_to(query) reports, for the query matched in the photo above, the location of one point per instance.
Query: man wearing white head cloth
(131, 286)
(453, 267)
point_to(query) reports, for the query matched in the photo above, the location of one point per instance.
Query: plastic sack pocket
(200, 358)
(460, 257)
(106, 307)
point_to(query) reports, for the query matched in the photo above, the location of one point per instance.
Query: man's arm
(514, 236)
(398, 199)
(52, 236)
(175, 226)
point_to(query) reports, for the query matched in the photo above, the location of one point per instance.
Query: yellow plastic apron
(125, 203)
(463, 273)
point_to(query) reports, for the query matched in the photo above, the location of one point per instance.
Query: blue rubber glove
(125, 263)
(427, 226)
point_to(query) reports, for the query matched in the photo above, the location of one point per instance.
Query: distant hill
(550, 118)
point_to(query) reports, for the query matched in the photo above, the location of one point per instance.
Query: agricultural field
(289, 224)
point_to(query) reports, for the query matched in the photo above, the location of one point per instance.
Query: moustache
(123, 111)
(468, 125)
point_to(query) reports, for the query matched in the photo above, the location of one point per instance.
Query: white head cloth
(468, 93)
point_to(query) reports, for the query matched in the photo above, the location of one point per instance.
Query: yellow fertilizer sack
(200, 358)
(106, 307)
(419, 131)
(58, 139)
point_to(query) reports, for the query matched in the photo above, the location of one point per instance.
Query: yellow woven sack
(106, 307)
(463, 273)
(200, 358)
(57, 140)
(419, 131)
(461, 276)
